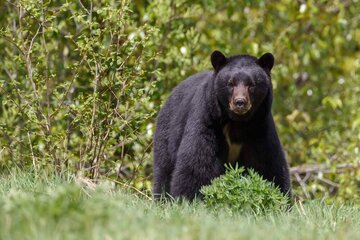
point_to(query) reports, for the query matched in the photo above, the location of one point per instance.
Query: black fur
(189, 145)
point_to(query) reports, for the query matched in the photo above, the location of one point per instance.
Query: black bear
(217, 117)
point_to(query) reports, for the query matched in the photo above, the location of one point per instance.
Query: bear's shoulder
(182, 98)
(189, 88)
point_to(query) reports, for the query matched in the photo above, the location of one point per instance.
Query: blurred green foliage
(81, 81)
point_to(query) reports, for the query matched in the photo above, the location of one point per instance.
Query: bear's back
(182, 95)
(173, 116)
(190, 85)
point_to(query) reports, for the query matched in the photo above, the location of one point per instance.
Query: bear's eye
(230, 83)
(252, 87)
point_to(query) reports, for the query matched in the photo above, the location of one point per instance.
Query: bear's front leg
(196, 165)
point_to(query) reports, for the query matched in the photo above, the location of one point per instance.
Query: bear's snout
(240, 102)
(240, 106)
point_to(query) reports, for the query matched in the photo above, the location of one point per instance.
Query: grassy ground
(40, 208)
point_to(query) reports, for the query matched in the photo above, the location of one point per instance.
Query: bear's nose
(240, 102)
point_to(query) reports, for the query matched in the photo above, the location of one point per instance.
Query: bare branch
(325, 168)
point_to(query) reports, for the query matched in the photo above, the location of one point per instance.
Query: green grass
(50, 208)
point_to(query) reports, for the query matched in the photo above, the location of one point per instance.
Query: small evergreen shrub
(249, 193)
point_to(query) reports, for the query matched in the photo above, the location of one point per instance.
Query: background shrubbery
(81, 82)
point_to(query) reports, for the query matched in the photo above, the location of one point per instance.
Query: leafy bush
(75, 87)
(244, 193)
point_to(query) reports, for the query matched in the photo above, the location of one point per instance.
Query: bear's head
(243, 84)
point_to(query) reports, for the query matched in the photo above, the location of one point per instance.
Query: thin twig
(32, 152)
(131, 187)
(302, 185)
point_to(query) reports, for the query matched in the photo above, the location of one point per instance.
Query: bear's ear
(218, 60)
(266, 61)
